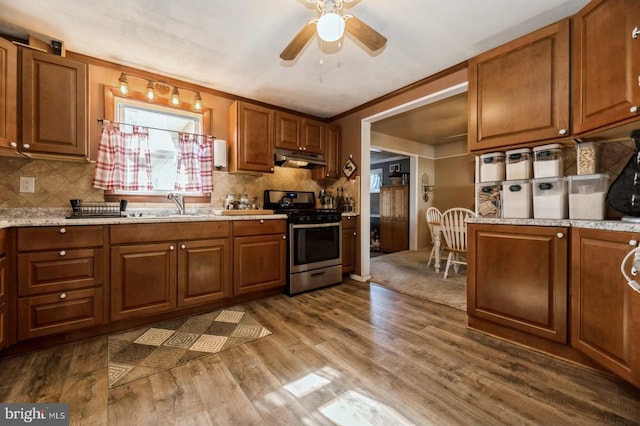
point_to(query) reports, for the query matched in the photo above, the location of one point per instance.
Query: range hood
(298, 159)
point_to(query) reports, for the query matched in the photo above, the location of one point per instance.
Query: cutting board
(241, 212)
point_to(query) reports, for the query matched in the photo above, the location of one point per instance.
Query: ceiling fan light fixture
(330, 27)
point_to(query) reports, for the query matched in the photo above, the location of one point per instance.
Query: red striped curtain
(195, 161)
(124, 159)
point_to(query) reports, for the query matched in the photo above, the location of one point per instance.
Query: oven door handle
(314, 225)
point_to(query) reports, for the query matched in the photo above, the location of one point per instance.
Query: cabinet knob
(26, 146)
(63, 295)
(633, 109)
(272, 169)
(327, 174)
(261, 220)
(284, 237)
(355, 234)
(633, 243)
(560, 235)
(635, 33)
(172, 248)
(13, 144)
(63, 253)
(562, 132)
(63, 231)
(183, 246)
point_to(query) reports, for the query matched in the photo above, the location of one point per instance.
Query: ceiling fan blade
(365, 34)
(299, 41)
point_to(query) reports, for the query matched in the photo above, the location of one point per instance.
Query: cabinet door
(288, 131)
(54, 105)
(8, 98)
(251, 130)
(603, 307)
(3, 302)
(517, 277)
(349, 241)
(519, 92)
(606, 64)
(313, 134)
(204, 271)
(394, 224)
(259, 263)
(143, 280)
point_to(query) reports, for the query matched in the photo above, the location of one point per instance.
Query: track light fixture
(156, 89)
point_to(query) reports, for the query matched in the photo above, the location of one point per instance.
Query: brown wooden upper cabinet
(299, 134)
(606, 65)
(8, 98)
(331, 155)
(251, 138)
(519, 92)
(54, 106)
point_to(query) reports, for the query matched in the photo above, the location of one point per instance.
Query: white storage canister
(492, 167)
(488, 199)
(548, 161)
(550, 198)
(587, 194)
(516, 199)
(519, 164)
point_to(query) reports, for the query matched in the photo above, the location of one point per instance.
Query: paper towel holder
(219, 154)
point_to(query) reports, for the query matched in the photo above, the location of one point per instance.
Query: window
(164, 169)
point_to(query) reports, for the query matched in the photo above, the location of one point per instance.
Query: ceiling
(234, 46)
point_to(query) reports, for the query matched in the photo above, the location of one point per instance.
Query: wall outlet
(27, 184)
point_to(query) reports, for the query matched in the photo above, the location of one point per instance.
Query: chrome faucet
(178, 199)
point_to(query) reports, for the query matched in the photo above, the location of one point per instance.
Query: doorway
(414, 179)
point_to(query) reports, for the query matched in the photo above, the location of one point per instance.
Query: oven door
(313, 246)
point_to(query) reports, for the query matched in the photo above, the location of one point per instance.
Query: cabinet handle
(355, 234)
(63, 253)
(635, 33)
(562, 132)
(172, 248)
(183, 246)
(26, 146)
(633, 243)
(633, 109)
(327, 174)
(261, 220)
(13, 144)
(272, 169)
(284, 237)
(560, 235)
(63, 295)
(63, 231)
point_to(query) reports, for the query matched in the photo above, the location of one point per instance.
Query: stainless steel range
(315, 240)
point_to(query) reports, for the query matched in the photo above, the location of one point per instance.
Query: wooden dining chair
(433, 216)
(454, 231)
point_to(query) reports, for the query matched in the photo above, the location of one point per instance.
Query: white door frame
(365, 202)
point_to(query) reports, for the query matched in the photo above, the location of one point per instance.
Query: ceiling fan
(330, 26)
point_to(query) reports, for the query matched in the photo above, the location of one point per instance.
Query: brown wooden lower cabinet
(517, 278)
(349, 243)
(259, 255)
(59, 312)
(204, 271)
(605, 311)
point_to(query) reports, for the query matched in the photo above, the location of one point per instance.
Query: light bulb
(197, 103)
(151, 92)
(175, 97)
(123, 84)
(330, 27)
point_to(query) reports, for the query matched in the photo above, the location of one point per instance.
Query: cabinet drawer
(60, 237)
(176, 231)
(59, 312)
(244, 228)
(348, 222)
(57, 271)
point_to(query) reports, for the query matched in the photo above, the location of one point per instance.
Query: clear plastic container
(519, 164)
(587, 194)
(492, 167)
(517, 199)
(488, 199)
(548, 161)
(550, 198)
(587, 157)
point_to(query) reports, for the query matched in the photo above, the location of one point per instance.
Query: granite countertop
(610, 225)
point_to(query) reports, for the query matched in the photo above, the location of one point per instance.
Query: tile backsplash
(56, 182)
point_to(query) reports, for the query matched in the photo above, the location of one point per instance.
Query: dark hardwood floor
(350, 354)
